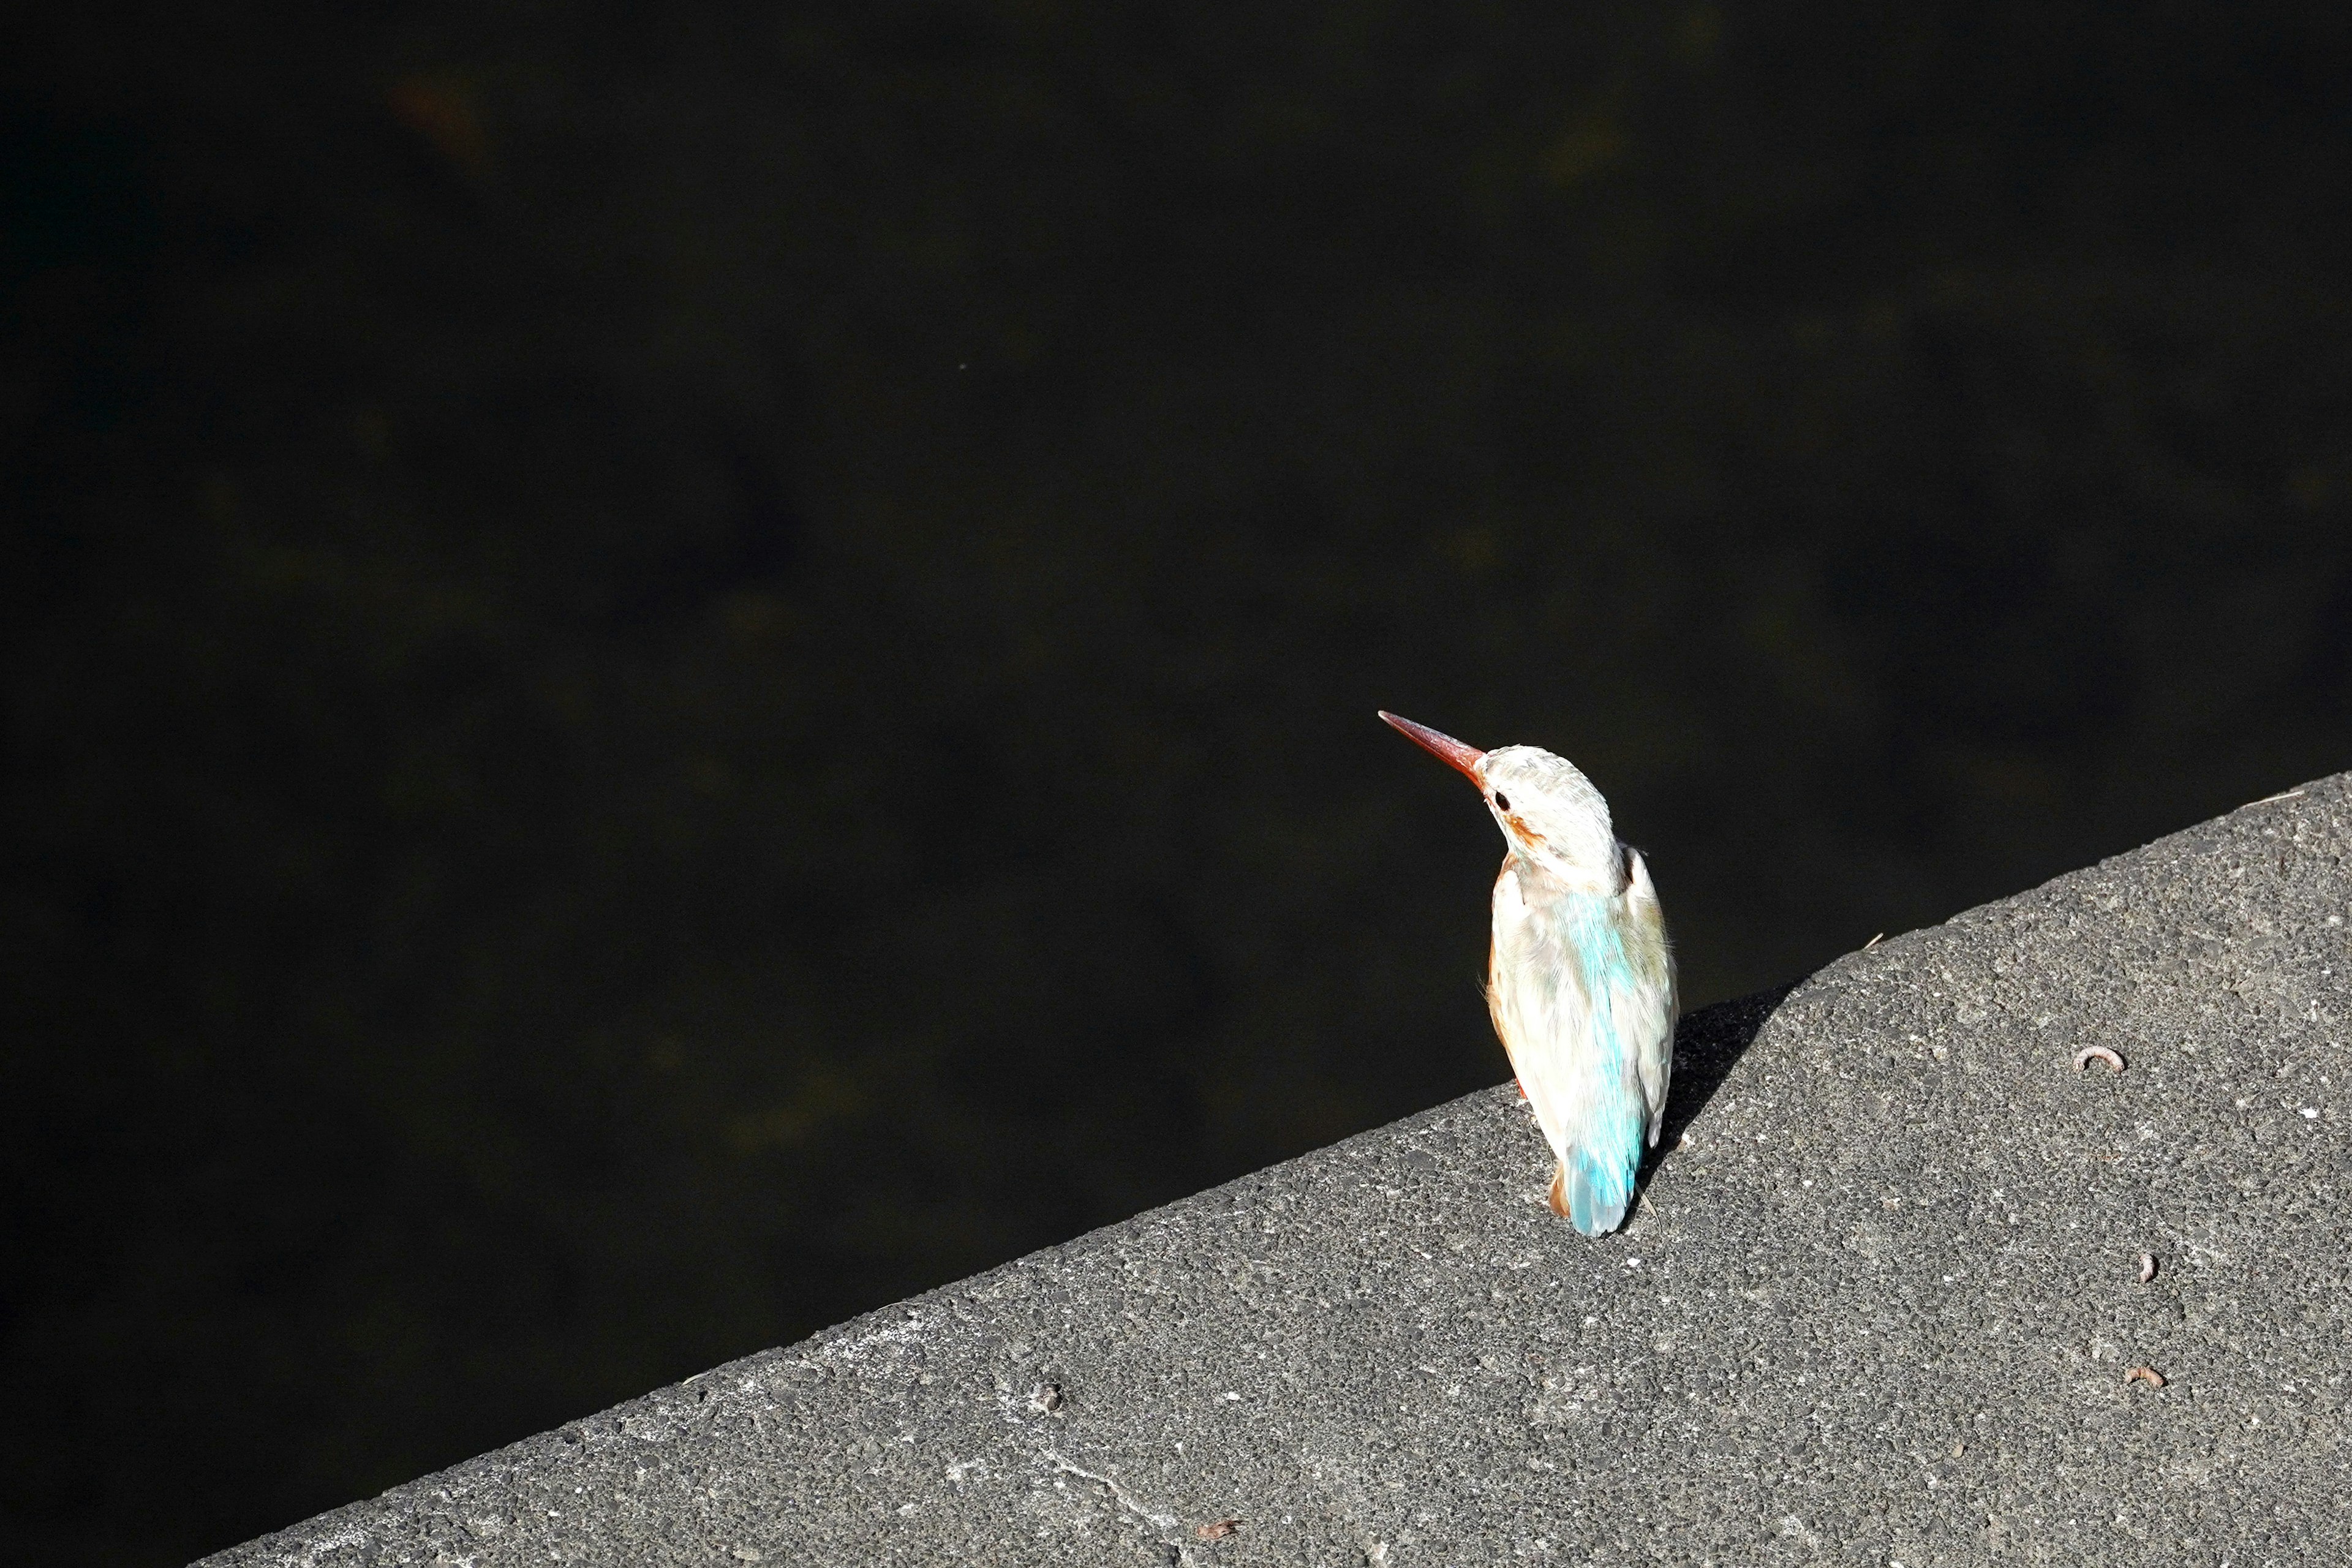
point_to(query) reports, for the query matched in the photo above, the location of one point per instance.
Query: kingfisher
(1580, 980)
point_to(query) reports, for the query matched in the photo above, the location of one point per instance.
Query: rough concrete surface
(1879, 1307)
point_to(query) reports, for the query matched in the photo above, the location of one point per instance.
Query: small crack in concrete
(1126, 1500)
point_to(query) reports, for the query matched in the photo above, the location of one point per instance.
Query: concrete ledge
(1879, 1306)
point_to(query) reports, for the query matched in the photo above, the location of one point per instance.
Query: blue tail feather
(1598, 1191)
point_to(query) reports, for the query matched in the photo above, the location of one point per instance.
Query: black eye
(1502, 801)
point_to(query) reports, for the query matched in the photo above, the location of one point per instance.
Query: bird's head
(1549, 811)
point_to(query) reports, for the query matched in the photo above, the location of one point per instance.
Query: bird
(1581, 978)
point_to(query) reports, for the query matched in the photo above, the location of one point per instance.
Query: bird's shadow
(1706, 1044)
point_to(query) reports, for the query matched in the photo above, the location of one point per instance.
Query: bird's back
(1580, 984)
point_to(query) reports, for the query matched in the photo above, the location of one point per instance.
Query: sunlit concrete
(1884, 1303)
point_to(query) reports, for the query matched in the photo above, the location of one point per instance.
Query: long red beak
(1444, 747)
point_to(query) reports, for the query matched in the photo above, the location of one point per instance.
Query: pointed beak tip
(1442, 746)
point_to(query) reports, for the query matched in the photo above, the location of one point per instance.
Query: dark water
(671, 673)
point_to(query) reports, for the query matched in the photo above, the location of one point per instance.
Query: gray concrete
(1878, 1308)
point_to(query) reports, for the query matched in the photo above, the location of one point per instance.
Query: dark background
(673, 671)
